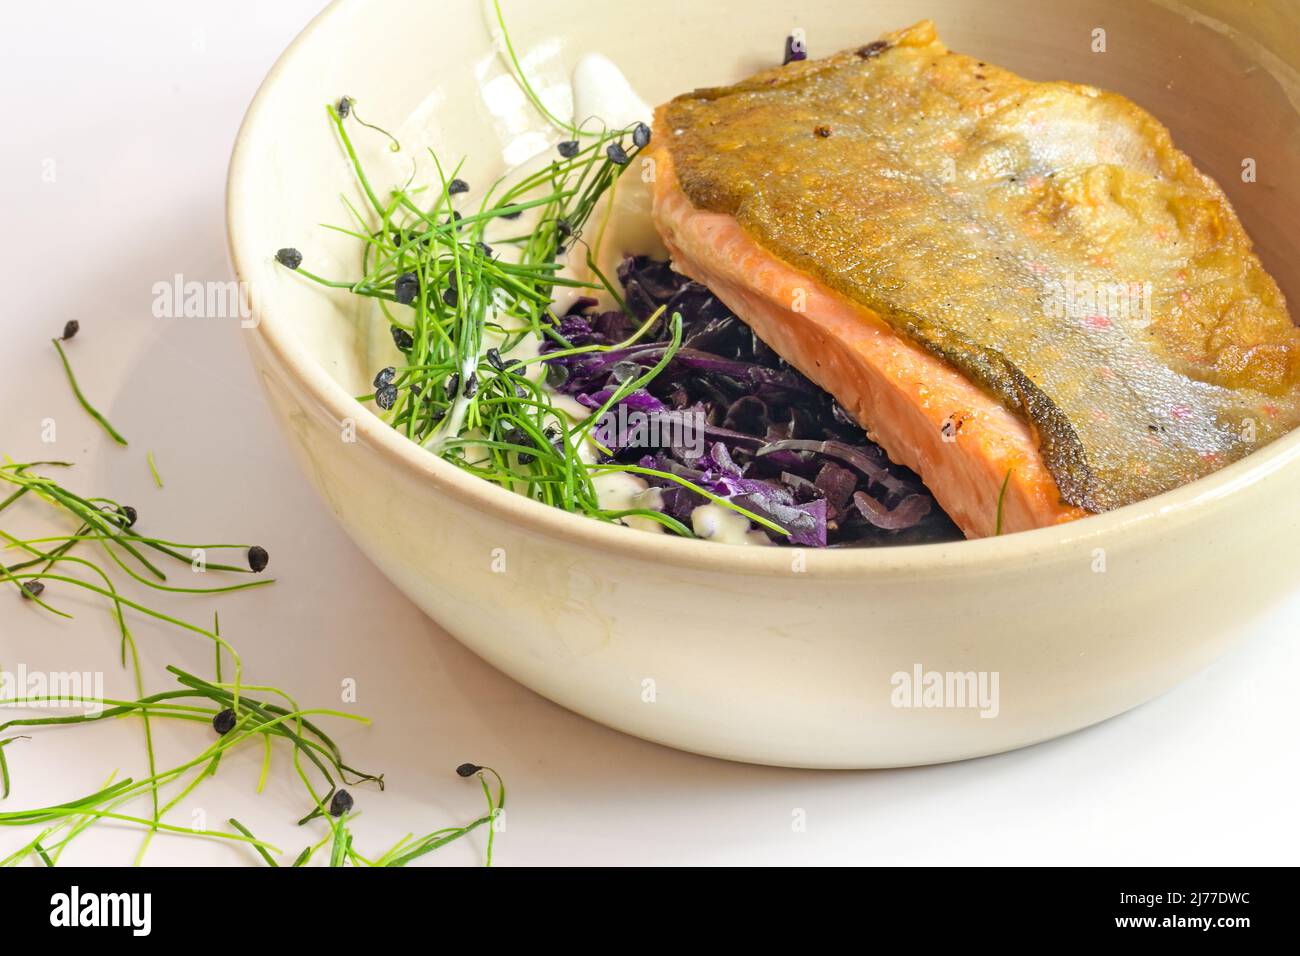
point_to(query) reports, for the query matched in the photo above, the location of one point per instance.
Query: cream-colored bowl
(763, 654)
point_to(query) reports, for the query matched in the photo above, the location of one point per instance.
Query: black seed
(873, 49)
(641, 135)
(823, 131)
(513, 213)
(468, 769)
(625, 371)
(563, 229)
(556, 374)
(386, 396)
(471, 385)
(494, 359)
(344, 107)
(406, 288)
(130, 514)
(519, 438)
(402, 339)
(792, 52)
(453, 385)
(385, 377)
(568, 149)
(450, 296)
(617, 154)
(258, 558)
(484, 248)
(457, 186)
(224, 722)
(456, 216)
(71, 328)
(289, 257)
(33, 589)
(341, 803)
(416, 389)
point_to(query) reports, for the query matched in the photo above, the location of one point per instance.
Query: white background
(130, 110)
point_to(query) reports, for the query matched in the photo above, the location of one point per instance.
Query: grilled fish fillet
(1006, 282)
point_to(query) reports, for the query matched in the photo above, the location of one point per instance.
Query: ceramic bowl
(799, 658)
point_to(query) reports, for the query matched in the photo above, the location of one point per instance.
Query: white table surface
(130, 110)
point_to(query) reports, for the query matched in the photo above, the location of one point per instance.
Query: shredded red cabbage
(769, 439)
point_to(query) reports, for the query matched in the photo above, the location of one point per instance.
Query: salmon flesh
(1022, 290)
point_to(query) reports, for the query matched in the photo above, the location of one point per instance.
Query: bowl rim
(1178, 506)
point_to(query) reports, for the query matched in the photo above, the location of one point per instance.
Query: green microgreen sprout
(238, 713)
(76, 390)
(153, 470)
(467, 310)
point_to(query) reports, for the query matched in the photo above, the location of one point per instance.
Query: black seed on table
(406, 288)
(456, 216)
(258, 558)
(514, 213)
(131, 515)
(617, 154)
(794, 50)
(344, 107)
(468, 769)
(341, 803)
(494, 359)
(450, 296)
(33, 589)
(457, 186)
(402, 339)
(224, 722)
(385, 377)
(568, 149)
(70, 329)
(289, 257)
(386, 396)
(484, 248)
(641, 135)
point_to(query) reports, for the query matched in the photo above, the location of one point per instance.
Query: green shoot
(153, 470)
(76, 390)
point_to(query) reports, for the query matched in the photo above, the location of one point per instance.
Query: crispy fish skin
(978, 459)
(1045, 239)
